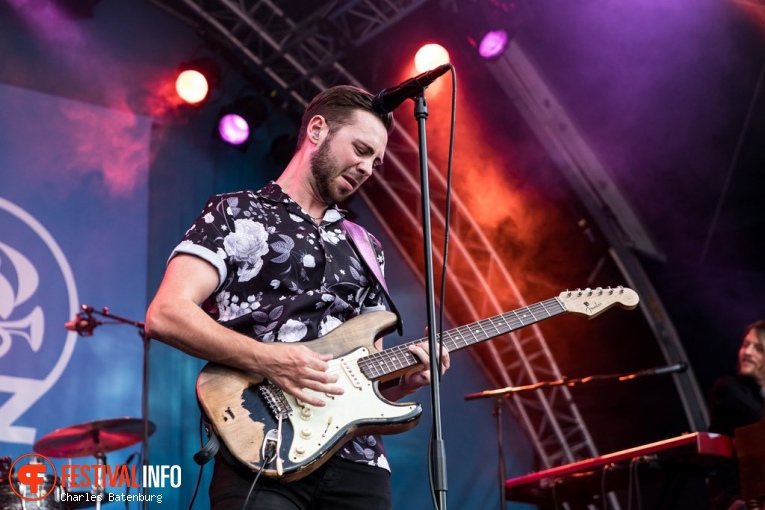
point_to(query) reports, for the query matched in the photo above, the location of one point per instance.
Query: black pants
(338, 484)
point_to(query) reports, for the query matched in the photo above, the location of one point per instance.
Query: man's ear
(315, 127)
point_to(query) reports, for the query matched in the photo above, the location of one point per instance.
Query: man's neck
(756, 380)
(298, 187)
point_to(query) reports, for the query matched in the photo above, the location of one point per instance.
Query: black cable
(447, 216)
(436, 371)
(431, 481)
(199, 471)
(196, 487)
(267, 459)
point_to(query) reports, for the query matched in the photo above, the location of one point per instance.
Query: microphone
(84, 326)
(388, 100)
(670, 369)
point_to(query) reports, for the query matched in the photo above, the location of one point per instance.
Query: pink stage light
(238, 121)
(493, 44)
(233, 129)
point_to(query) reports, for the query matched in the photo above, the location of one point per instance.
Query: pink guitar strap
(359, 238)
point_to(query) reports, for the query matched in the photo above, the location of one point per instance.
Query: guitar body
(247, 411)
(240, 406)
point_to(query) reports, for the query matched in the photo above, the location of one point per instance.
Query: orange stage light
(430, 56)
(196, 79)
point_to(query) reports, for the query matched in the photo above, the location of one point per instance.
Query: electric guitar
(256, 420)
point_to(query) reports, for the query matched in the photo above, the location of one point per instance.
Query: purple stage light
(493, 44)
(233, 129)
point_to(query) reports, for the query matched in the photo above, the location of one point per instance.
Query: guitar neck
(380, 364)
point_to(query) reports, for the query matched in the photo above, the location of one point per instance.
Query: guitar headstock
(592, 302)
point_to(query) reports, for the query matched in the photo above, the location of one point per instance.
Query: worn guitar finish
(245, 408)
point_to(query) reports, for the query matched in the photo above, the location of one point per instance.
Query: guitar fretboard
(378, 365)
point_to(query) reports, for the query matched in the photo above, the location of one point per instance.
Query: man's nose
(365, 168)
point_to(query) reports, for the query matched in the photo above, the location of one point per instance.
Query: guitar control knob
(305, 433)
(306, 413)
(299, 450)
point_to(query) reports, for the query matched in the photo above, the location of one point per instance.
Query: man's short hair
(337, 105)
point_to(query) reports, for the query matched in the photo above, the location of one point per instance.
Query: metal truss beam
(299, 58)
(608, 207)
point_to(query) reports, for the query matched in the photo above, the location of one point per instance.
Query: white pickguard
(315, 427)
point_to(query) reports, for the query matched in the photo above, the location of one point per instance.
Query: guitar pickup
(352, 370)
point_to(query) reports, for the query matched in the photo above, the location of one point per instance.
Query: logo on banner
(31, 365)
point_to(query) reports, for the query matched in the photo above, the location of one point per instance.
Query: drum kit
(94, 438)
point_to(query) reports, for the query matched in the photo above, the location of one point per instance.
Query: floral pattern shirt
(283, 278)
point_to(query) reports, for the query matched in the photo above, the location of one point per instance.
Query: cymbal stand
(99, 487)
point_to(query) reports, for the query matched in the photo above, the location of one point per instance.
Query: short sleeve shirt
(282, 277)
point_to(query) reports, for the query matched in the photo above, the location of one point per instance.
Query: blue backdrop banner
(73, 221)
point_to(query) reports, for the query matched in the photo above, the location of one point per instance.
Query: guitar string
(377, 361)
(377, 364)
(459, 337)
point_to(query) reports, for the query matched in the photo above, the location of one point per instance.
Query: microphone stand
(438, 451)
(116, 319)
(498, 394)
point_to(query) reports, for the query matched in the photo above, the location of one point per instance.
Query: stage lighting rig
(196, 79)
(237, 121)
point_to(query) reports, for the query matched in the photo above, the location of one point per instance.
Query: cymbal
(92, 438)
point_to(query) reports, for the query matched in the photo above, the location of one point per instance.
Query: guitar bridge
(276, 401)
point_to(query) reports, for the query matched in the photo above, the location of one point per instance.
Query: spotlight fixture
(196, 79)
(430, 56)
(493, 43)
(237, 121)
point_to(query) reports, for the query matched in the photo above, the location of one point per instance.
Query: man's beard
(751, 370)
(324, 170)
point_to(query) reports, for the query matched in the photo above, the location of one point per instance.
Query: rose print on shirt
(246, 246)
(292, 331)
(328, 324)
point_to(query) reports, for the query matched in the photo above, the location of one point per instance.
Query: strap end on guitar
(210, 448)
